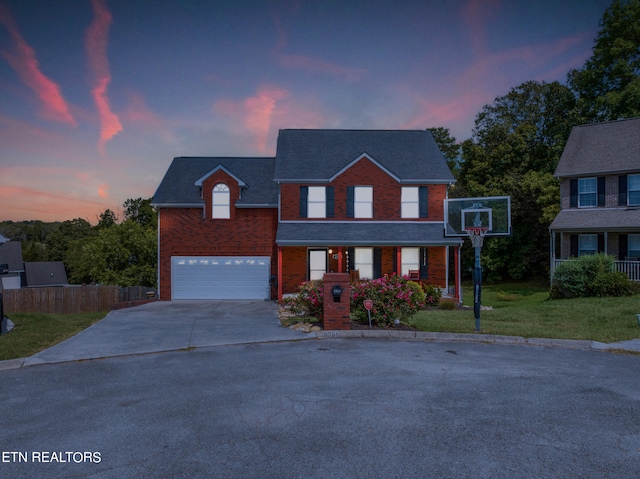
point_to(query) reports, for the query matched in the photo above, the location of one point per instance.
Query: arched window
(221, 202)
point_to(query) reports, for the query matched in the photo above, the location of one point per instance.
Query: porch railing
(630, 268)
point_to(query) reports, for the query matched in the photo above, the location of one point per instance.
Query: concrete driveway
(170, 326)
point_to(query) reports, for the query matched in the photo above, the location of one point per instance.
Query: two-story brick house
(330, 201)
(600, 194)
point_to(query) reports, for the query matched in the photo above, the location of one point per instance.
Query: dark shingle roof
(49, 273)
(362, 234)
(318, 155)
(178, 187)
(597, 219)
(601, 148)
(11, 254)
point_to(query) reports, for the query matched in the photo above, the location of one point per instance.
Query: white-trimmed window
(587, 244)
(221, 202)
(633, 185)
(410, 202)
(587, 192)
(363, 202)
(634, 246)
(363, 262)
(410, 260)
(317, 264)
(317, 202)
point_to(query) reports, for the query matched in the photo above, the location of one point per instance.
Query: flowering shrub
(309, 299)
(432, 294)
(393, 298)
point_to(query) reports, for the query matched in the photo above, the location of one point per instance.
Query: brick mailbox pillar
(337, 308)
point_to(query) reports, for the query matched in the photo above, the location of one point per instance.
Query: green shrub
(612, 283)
(590, 275)
(393, 298)
(432, 294)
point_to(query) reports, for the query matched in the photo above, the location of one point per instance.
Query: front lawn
(34, 332)
(523, 309)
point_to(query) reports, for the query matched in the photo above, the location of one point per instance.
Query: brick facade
(386, 195)
(187, 232)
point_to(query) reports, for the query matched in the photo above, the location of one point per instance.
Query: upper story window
(360, 201)
(633, 182)
(221, 202)
(587, 192)
(414, 202)
(316, 201)
(587, 244)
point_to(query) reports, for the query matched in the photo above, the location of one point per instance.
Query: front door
(317, 263)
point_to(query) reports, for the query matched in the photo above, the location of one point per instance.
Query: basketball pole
(477, 288)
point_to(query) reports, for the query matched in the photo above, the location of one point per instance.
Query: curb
(397, 335)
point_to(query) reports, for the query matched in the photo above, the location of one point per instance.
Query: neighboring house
(600, 195)
(11, 256)
(330, 201)
(45, 274)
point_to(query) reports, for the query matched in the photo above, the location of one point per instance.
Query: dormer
(220, 189)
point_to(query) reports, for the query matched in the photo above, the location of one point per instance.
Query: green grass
(34, 332)
(523, 309)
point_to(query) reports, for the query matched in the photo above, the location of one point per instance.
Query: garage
(220, 277)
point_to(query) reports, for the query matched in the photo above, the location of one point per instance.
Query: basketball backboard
(492, 212)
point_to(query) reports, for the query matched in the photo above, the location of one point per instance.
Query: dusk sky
(98, 96)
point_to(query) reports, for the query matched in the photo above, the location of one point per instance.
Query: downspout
(158, 255)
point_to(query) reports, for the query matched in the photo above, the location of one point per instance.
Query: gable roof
(601, 148)
(410, 156)
(255, 176)
(11, 254)
(45, 273)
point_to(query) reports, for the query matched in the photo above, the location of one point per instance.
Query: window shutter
(573, 193)
(350, 201)
(574, 246)
(424, 263)
(622, 190)
(329, 198)
(424, 205)
(304, 196)
(601, 243)
(623, 244)
(377, 262)
(351, 258)
(601, 191)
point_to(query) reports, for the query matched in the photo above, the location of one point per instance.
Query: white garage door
(220, 277)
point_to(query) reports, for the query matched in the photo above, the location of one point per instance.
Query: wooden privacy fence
(72, 299)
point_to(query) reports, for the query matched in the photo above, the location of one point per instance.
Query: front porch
(630, 268)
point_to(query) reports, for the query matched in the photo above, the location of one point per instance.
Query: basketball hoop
(476, 235)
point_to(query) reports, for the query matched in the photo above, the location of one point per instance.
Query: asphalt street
(331, 408)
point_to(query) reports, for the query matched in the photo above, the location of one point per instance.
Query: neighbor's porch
(630, 268)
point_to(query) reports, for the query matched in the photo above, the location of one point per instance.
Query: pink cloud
(103, 191)
(96, 41)
(269, 109)
(22, 59)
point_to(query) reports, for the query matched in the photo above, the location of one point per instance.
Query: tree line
(518, 139)
(124, 253)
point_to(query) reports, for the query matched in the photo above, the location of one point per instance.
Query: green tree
(516, 144)
(60, 240)
(449, 147)
(141, 211)
(608, 85)
(124, 254)
(107, 219)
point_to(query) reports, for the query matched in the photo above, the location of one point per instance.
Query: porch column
(339, 259)
(279, 273)
(399, 261)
